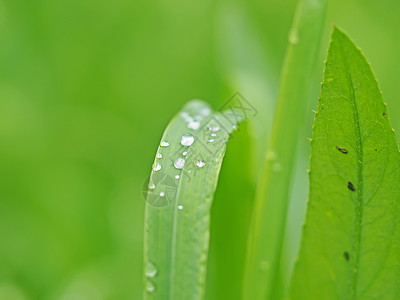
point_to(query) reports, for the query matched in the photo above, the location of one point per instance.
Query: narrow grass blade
(269, 218)
(181, 188)
(230, 215)
(351, 240)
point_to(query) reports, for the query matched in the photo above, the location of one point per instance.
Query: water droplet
(180, 206)
(179, 163)
(156, 167)
(200, 163)
(264, 265)
(293, 37)
(164, 144)
(159, 155)
(193, 125)
(152, 186)
(186, 117)
(177, 176)
(211, 140)
(214, 128)
(205, 111)
(234, 127)
(187, 139)
(162, 194)
(213, 134)
(271, 156)
(184, 153)
(151, 270)
(150, 287)
(276, 167)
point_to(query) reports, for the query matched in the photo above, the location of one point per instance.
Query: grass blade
(178, 205)
(272, 198)
(350, 245)
(230, 215)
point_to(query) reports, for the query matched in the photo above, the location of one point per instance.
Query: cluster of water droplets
(273, 160)
(151, 272)
(157, 166)
(194, 122)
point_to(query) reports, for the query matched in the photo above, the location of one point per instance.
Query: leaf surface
(181, 188)
(351, 239)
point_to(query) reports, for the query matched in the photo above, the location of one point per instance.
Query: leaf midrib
(359, 188)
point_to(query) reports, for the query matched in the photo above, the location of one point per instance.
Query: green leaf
(351, 239)
(178, 205)
(230, 218)
(262, 278)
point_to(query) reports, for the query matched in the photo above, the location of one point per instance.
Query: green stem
(272, 199)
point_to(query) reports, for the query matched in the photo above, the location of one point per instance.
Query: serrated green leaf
(182, 185)
(351, 240)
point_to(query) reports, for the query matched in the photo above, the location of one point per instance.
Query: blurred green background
(86, 90)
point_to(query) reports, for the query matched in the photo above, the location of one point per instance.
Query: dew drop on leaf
(211, 140)
(177, 176)
(205, 111)
(193, 125)
(293, 37)
(159, 155)
(184, 153)
(152, 186)
(214, 128)
(179, 163)
(180, 206)
(151, 270)
(200, 163)
(187, 139)
(150, 287)
(162, 194)
(164, 144)
(156, 167)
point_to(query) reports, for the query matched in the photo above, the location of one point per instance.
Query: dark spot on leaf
(351, 186)
(376, 149)
(343, 150)
(384, 115)
(319, 99)
(346, 255)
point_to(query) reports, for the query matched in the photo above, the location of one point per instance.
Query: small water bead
(200, 163)
(151, 270)
(293, 36)
(150, 287)
(205, 111)
(152, 186)
(234, 127)
(164, 144)
(184, 153)
(179, 163)
(156, 167)
(162, 194)
(187, 139)
(214, 128)
(193, 125)
(213, 134)
(276, 167)
(177, 176)
(159, 155)
(211, 140)
(264, 265)
(186, 117)
(180, 206)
